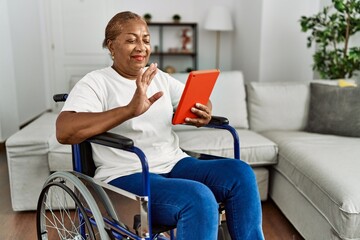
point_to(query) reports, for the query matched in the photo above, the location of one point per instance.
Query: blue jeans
(188, 197)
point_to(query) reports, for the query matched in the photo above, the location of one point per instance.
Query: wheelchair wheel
(67, 210)
(67, 220)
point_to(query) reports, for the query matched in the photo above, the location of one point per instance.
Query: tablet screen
(198, 88)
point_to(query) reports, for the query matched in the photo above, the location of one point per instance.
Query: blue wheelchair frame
(123, 143)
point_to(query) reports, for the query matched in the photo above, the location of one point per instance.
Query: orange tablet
(198, 88)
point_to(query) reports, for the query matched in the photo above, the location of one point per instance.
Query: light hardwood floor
(21, 225)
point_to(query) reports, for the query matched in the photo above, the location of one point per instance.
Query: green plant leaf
(330, 30)
(339, 5)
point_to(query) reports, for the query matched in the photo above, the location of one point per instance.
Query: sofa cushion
(334, 110)
(277, 105)
(325, 170)
(59, 158)
(227, 97)
(254, 148)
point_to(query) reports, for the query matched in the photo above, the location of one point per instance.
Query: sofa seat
(60, 158)
(254, 148)
(322, 168)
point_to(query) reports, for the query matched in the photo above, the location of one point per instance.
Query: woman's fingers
(201, 110)
(140, 102)
(203, 113)
(147, 76)
(153, 71)
(155, 97)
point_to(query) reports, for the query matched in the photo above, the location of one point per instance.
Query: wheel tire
(85, 200)
(62, 219)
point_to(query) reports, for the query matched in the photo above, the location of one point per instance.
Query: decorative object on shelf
(186, 40)
(173, 50)
(168, 50)
(156, 48)
(147, 17)
(218, 19)
(176, 18)
(170, 69)
(331, 30)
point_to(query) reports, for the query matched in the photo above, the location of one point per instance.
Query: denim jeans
(188, 197)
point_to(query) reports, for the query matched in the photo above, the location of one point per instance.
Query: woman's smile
(138, 58)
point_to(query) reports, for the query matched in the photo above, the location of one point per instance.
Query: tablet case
(198, 88)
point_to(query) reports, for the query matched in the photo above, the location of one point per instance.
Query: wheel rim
(62, 215)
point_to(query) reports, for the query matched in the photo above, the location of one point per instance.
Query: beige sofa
(316, 180)
(313, 177)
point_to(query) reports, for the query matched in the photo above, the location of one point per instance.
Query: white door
(76, 30)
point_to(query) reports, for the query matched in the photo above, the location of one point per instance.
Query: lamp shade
(218, 19)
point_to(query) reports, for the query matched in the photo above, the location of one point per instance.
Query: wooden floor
(21, 225)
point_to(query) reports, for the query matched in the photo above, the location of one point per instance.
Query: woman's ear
(110, 46)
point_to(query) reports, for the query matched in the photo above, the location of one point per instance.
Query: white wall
(28, 58)
(248, 19)
(9, 120)
(285, 55)
(269, 44)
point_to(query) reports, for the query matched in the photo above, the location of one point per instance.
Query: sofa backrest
(278, 105)
(228, 97)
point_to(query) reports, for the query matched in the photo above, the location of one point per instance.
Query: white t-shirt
(152, 132)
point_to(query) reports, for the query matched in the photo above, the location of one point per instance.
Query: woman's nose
(140, 47)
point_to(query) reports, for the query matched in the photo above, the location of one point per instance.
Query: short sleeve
(85, 97)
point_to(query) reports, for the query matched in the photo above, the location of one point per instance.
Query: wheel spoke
(58, 217)
(64, 209)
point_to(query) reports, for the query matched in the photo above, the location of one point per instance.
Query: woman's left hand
(204, 115)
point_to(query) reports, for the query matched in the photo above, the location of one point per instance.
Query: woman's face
(131, 48)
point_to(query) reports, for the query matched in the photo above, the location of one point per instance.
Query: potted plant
(147, 17)
(176, 18)
(331, 30)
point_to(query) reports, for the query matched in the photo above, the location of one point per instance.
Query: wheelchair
(74, 205)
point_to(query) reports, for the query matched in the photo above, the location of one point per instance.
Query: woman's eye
(131, 40)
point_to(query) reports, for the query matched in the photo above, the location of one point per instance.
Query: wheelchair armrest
(120, 142)
(218, 121)
(112, 140)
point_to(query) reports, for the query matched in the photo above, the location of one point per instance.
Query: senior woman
(138, 102)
